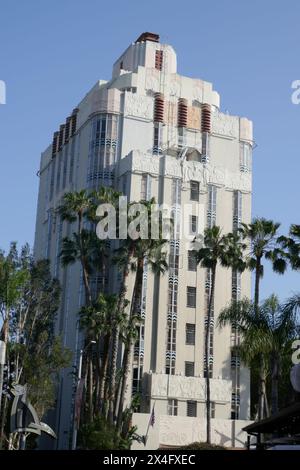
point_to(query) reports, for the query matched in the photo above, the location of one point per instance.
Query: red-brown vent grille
(182, 112)
(206, 118)
(159, 57)
(159, 107)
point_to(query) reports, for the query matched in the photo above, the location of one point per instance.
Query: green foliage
(226, 249)
(100, 435)
(34, 354)
(40, 372)
(267, 334)
(264, 243)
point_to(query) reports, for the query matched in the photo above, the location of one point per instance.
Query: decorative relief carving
(189, 387)
(195, 171)
(144, 163)
(224, 124)
(138, 105)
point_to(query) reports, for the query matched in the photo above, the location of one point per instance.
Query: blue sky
(52, 52)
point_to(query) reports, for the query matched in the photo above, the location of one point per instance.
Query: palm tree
(292, 245)
(75, 207)
(267, 333)
(85, 247)
(96, 320)
(228, 251)
(89, 250)
(264, 244)
(100, 196)
(262, 235)
(132, 254)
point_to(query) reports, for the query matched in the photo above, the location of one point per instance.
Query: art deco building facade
(150, 132)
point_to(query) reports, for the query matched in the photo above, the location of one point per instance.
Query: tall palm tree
(266, 333)
(75, 207)
(100, 196)
(228, 251)
(132, 254)
(263, 238)
(84, 246)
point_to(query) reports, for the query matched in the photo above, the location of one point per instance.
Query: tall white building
(150, 132)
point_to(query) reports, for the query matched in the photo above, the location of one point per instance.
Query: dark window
(193, 224)
(191, 296)
(194, 191)
(189, 369)
(190, 330)
(191, 409)
(192, 261)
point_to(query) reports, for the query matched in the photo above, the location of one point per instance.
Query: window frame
(190, 295)
(188, 364)
(194, 192)
(172, 407)
(192, 259)
(190, 403)
(190, 336)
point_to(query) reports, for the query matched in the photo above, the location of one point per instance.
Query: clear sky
(53, 51)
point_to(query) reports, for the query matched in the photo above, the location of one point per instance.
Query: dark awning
(287, 420)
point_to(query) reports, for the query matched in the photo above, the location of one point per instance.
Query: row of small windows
(191, 408)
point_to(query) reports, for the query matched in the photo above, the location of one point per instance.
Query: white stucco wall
(179, 431)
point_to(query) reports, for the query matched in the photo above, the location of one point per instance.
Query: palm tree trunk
(262, 384)
(128, 348)
(207, 344)
(274, 392)
(91, 408)
(86, 282)
(115, 345)
(123, 383)
(262, 390)
(103, 370)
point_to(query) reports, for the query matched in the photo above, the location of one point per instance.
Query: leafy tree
(30, 299)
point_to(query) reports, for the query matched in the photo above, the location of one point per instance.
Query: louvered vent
(206, 118)
(182, 112)
(159, 107)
